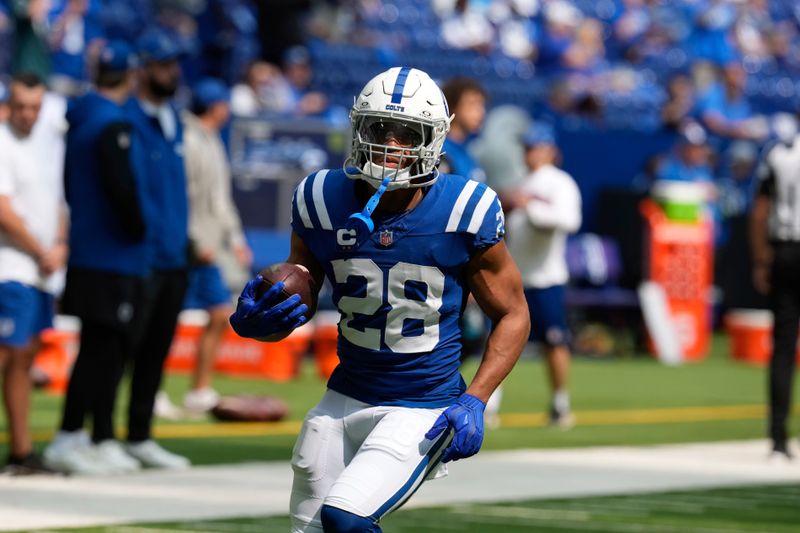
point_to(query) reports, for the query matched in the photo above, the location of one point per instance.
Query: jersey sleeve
(300, 219)
(488, 224)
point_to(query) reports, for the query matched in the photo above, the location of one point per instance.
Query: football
(296, 280)
(250, 408)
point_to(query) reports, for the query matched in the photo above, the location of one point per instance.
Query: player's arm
(496, 285)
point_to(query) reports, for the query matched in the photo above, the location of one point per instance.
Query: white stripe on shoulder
(319, 200)
(480, 210)
(302, 208)
(458, 209)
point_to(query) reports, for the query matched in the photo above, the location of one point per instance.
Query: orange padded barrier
(278, 361)
(679, 256)
(55, 358)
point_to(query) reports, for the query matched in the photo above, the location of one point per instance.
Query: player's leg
(393, 461)
(320, 455)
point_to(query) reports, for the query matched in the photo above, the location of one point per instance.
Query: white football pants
(363, 459)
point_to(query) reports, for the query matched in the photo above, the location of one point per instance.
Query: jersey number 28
(402, 307)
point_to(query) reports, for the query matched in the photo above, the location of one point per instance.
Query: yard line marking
(644, 416)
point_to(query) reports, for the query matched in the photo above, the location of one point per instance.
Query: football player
(402, 247)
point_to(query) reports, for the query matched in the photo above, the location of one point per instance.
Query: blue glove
(466, 418)
(258, 319)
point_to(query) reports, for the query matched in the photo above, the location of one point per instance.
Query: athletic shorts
(548, 315)
(24, 312)
(206, 288)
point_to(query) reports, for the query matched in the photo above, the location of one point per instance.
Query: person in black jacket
(109, 261)
(775, 244)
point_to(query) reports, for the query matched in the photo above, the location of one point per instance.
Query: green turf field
(618, 401)
(765, 509)
(627, 400)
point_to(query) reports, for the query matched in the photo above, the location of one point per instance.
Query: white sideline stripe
(145, 529)
(262, 489)
(480, 210)
(302, 208)
(458, 209)
(319, 200)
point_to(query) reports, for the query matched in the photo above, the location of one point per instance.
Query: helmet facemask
(404, 161)
(408, 108)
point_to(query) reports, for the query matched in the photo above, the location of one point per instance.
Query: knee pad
(335, 520)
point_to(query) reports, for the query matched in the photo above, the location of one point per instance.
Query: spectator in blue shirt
(561, 22)
(724, 109)
(75, 35)
(691, 161)
(466, 100)
(298, 72)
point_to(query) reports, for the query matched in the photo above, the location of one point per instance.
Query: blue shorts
(24, 312)
(548, 315)
(206, 288)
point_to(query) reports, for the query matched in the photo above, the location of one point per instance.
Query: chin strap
(360, 225)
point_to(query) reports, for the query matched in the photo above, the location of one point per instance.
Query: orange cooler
(750, 335)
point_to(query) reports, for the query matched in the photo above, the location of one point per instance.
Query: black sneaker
(29, 465)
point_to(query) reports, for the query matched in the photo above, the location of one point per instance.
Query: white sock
(561, 401)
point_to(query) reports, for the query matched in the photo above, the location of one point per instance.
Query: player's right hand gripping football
(259, 318)
(466, 418)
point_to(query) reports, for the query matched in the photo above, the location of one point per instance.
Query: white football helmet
(404, 104)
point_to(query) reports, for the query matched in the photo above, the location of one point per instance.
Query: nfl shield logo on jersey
(386, 238)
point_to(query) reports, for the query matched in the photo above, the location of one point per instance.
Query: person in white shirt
(32, 249)
(542, 212)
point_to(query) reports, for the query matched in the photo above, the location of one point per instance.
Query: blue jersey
(401, 293)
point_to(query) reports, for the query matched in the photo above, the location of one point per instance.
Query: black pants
(123, 319)
(164, 296)
(110, 307)
(785, 304)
